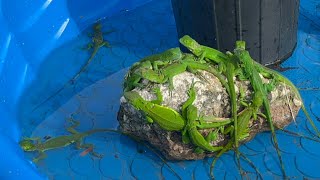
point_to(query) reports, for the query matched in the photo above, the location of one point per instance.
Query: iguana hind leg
(106, 44)
(89, 46)
(159, 96)
(41, 156)
(109, 32)
(79, 145)
(212, 136)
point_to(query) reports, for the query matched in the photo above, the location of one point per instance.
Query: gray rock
(212, 100)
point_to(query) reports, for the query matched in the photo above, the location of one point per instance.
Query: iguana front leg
(106, 44)
(42, 155)
(159, 96)
(132, 82)
(156, 64)
(75, 124)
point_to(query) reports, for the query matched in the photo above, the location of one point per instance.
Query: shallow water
(93, 100)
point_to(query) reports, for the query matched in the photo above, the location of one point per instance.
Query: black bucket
(269, 27)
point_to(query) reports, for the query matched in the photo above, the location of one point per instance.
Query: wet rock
(211, 100)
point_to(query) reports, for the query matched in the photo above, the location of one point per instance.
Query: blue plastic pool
(42, 47)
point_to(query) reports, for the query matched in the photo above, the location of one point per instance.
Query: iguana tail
(87, 133)
(268, 73)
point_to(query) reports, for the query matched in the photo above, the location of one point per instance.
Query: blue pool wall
(29, 31)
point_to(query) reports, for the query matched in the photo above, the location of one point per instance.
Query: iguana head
(133, 97)
(241, 45)
(191, 44)
(173, 53)
(97, 26)
(27, 145)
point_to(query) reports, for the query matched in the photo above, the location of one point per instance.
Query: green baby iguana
(202, 51)
(167, 118)
(228, 65)
(191, 133)
(243, 130)
(76, 137)
(97, 43)
(170, 120)
(151, 63)
(166, 73)
(278, 77)
(258, 87)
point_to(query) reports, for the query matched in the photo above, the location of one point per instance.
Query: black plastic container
(269, 27)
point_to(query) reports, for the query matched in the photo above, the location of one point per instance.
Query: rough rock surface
(212, 99)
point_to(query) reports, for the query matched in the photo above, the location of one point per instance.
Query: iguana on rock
(170, 120)
(258, 87)
(140, 69)
(243, 129)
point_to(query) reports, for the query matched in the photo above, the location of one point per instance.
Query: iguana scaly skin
(239, 65)
(258, 87)
(97, 42)
(202, 51)
(229, 72)
(149, 64)
(167, 73)
(227, 64)
(76, 137)
(156, 60)
(228, 68)
(170, 120)
(243, 130)
(196, 138)
(190, 112)
(167, 118)
(270, 73)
